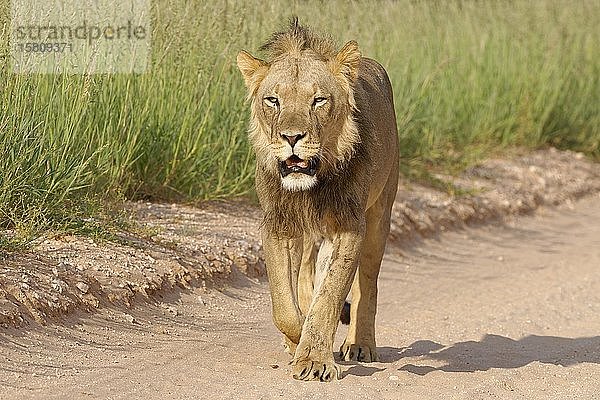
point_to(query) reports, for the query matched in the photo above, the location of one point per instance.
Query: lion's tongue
(295, 161)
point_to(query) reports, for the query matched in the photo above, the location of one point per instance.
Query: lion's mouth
(295, 164)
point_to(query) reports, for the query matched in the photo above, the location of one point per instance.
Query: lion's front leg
(282, 258)
(360, 341)
(336, 266)
(306, 276)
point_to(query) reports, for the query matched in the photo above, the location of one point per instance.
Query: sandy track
(506, 312)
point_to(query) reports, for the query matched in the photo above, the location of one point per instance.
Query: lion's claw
(308, 370)
(356, 352)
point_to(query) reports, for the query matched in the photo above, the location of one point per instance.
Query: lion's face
(300, 109)
(301, 126)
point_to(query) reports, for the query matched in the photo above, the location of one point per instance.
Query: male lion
(324, 131)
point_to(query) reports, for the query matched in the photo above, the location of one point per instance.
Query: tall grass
(469, 77)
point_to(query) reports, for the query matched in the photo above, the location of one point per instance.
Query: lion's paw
(358, 352)
(315, 370)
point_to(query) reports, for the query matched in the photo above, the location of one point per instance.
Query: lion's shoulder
(372, 81)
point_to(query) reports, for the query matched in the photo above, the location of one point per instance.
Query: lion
(323, 129)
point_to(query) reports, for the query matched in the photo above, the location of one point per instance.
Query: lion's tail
(345, 315)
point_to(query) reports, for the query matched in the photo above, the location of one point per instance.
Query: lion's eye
(319, 101)
(271, 101)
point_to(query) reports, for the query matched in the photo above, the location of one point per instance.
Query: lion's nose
(292, 138)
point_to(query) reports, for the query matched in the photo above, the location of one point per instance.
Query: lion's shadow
(495, 351)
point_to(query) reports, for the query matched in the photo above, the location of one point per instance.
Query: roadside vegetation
(471, 79)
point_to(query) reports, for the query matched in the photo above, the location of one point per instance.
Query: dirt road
(504, 312)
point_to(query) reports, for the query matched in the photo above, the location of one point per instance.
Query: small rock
(393, 378)
(274, 366)
(83, 287)
(59, 285)
(129, 318)
(201, 300)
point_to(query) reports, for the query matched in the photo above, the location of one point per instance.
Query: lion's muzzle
(295, 164)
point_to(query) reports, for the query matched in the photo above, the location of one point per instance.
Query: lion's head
(302, 126)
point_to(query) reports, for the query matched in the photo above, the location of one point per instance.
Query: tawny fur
(347, 203)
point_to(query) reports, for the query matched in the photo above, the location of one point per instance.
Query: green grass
(471, 78)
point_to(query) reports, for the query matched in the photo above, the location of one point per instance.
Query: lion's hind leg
(282, 258)
(305, 283)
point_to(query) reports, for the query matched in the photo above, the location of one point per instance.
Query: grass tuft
(470, 79)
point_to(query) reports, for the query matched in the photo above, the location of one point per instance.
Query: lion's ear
(347, 61)
(253, 69)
